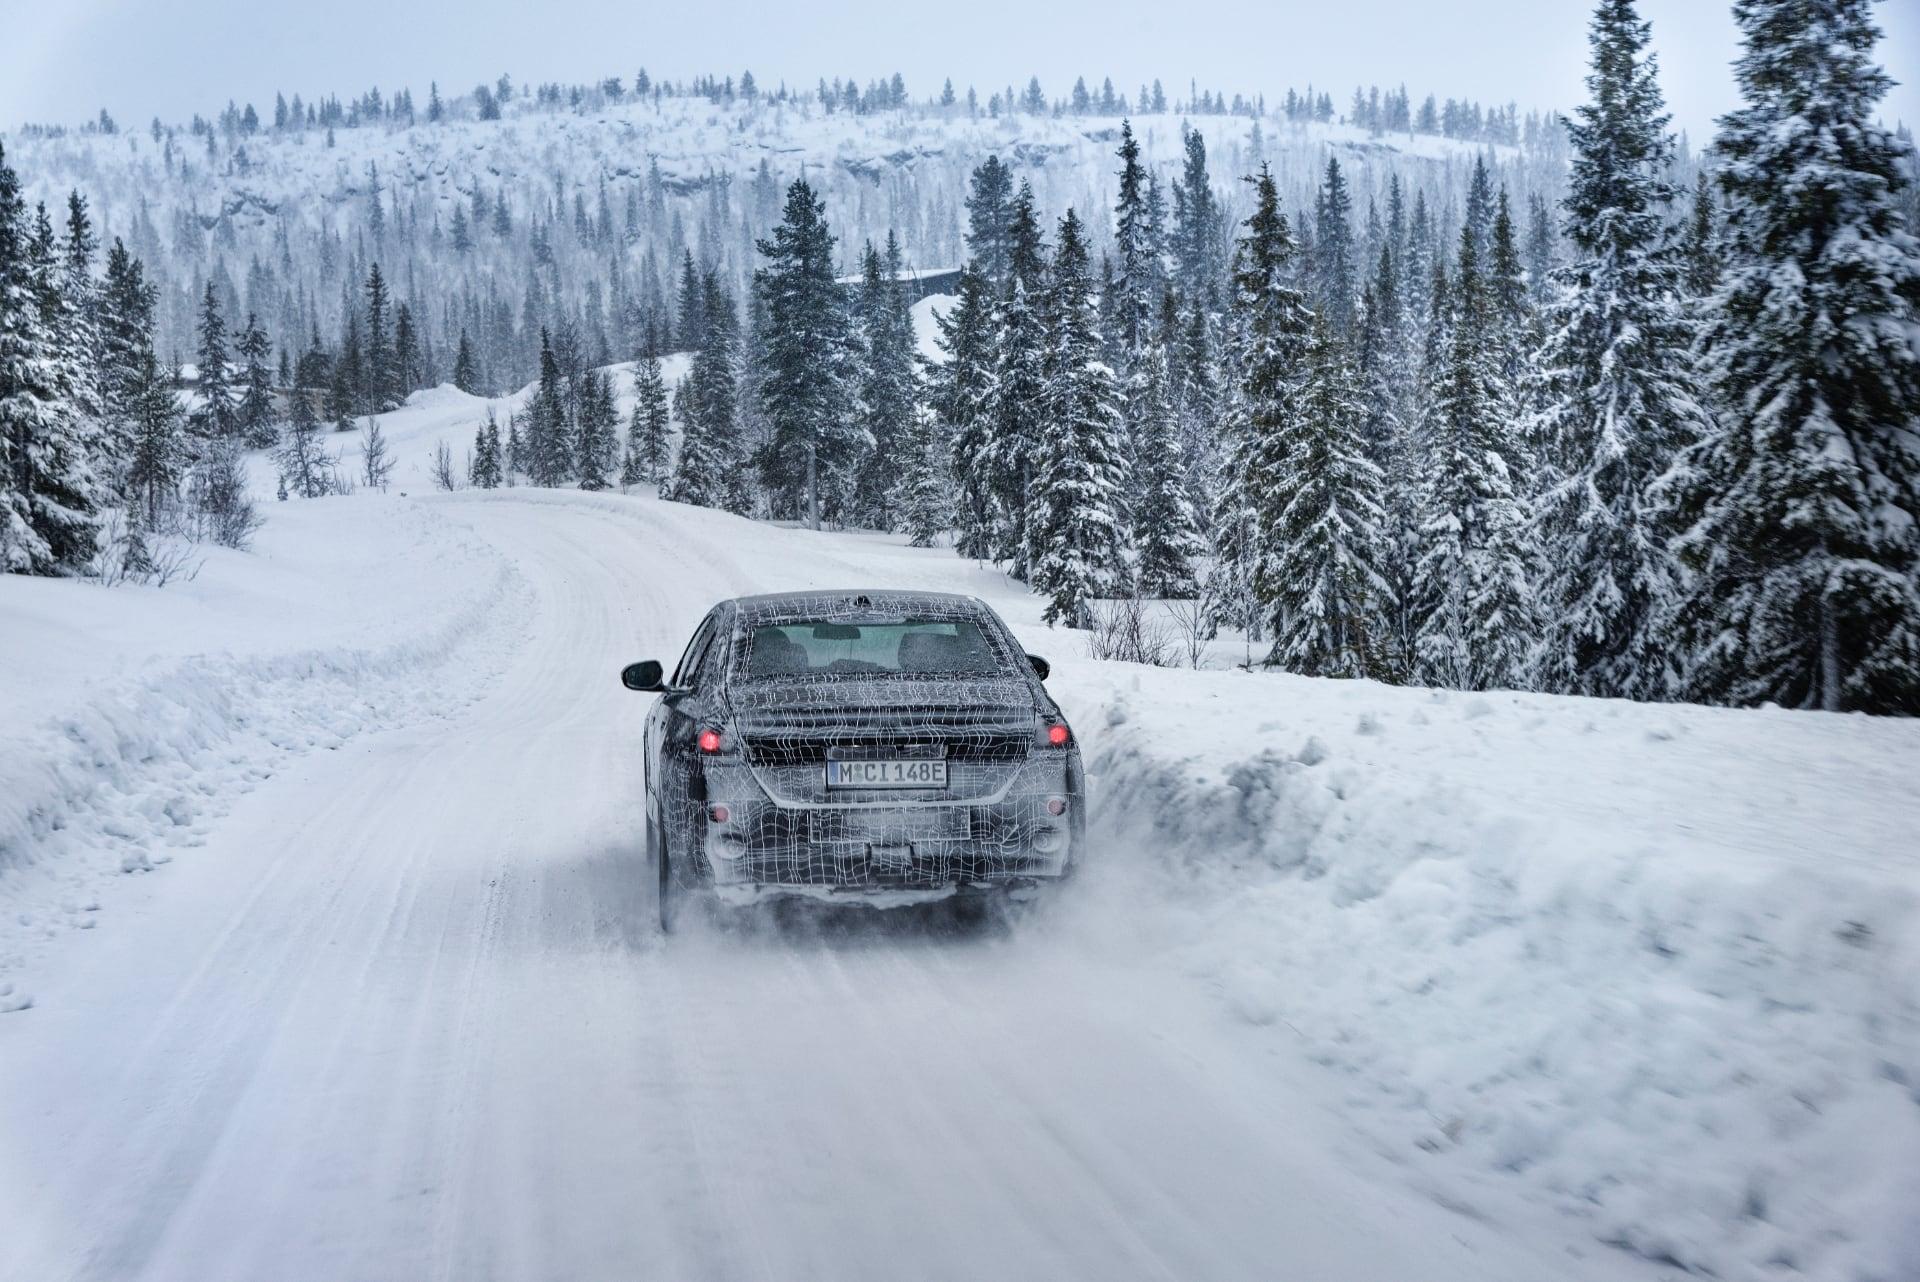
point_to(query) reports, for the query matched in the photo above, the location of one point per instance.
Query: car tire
(667, 894)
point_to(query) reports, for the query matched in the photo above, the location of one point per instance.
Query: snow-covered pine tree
(960, 393)
(926, 481)
(1138, 272)
(1804, 542)
(549, 438)
(303, 465)
(1271, 321)
(48, 495)
(1328, 603)
(1193, 360)
(1078, 547)
(1471, 585)
(380, 380)
(596, 439)
(1018, 415)
(1617, 383)
(254, 415)
(989, 211)
(514, 458)
(647, 431)
(1701, 248)
(487, 470)
(217, 414)
(888, 386)
(1333, 252)
(1164, 527)
(808, 372)
(465, 376)
(1197, 223)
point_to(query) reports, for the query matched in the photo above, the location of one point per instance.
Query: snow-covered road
(403, 1017)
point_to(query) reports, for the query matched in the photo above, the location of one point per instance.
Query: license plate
(886, 774)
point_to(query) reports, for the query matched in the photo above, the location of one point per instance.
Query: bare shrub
(219, 510)
(445, 475)
(376, 461)
(127, 552)
(1125, 630)
(1193, 627)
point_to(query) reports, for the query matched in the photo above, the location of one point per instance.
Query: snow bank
(1661, 964)
(132, 717)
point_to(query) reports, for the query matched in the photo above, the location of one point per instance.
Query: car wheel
(667, 894)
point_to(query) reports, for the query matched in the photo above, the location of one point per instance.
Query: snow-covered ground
(1362, 983)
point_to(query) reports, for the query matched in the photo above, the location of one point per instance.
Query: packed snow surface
(1360, 983)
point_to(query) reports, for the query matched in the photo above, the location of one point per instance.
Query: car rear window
(895, 647)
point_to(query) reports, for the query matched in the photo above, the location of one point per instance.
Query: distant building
(917, 282)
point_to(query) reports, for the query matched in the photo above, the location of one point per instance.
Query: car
(861, 746)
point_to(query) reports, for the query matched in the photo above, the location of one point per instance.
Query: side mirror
(1041, 668)
(644, 675)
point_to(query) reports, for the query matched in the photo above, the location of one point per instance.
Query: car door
(671, 723)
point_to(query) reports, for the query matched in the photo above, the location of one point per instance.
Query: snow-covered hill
(1580, 971)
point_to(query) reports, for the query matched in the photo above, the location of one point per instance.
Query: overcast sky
(62, 60)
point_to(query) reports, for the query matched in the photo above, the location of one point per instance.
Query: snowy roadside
(131, 718)
(1662, 964)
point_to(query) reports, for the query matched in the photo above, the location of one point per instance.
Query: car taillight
(1056, 805)
(719, 813)
(709, 740)
(1057, 734)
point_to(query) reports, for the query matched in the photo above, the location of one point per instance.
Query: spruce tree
(253, 417)
(1271, 322)
(1078, 545)
(888, 387)
(808, 371)
(1328, 599)
(926, 481)
(465, 377)
(218, 412)
(380, 379)
(1334, 278)
(1018, 423)
(960, 393)
(989, 211)
(1197, 231)
(1617, 391)
(597, 442)
(488, 469)
(1165, 530)
(1471, 585)
(647, 432)
(303, 465)
(1138, 274)
(1804, 503)
(49, 497)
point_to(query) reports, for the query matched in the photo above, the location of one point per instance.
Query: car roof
(838, 601)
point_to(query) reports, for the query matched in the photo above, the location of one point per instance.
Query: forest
(1439, 394)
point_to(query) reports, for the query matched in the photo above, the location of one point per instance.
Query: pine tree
(647, 433)
(960, 392)
(465, 377)
(1078, 545)
(597, 441)
(254, 415)
(1165, 529)
(1333, 252)
(1471, 585)
(1329, 601)
(1804, 503)
(1271, 322)
(549, 437)
(381, 382)
(49, 497)
(1701, 250)
(1135, 242)
(1196, 222)
(303, 465)
(804, 383)
(926, 482)
(1017, 417)
(989, 211)
(488, 469)
(217, 415)
(888, 386)
(1617, 383)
